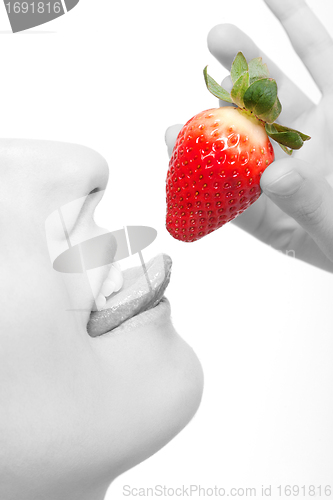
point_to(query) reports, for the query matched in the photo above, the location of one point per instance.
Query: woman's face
(76, 410)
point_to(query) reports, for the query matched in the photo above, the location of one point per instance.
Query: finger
(226, 40)
(171, 135)
(309, 38)
(304, 196)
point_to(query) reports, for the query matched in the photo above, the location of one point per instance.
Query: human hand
(295, 214)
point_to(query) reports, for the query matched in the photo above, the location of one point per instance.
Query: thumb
(171, 135)
(304, 195)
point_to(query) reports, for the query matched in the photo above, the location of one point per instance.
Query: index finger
(309, 38)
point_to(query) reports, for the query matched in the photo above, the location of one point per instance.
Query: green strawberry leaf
(216, 89)
(257, 70)
(261, 95)
(239, 66)
(271, 115)
(286, 150)
(289, 139)
(286, 136)
(239, 89)
(281, 128)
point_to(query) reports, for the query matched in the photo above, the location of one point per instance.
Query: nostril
(96, 190)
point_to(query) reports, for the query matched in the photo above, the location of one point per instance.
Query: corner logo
(28, 14)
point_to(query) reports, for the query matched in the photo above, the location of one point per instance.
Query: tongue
(141, 291)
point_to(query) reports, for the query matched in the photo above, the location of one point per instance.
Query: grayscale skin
(76, 411)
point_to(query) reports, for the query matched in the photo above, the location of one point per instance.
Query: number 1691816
(33, 7)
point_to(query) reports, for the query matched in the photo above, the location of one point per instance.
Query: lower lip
(158, 315)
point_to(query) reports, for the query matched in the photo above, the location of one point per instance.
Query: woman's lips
(142, 290)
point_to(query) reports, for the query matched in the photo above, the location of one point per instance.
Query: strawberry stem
(254, 91)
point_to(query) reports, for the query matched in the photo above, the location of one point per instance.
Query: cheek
(152, 388)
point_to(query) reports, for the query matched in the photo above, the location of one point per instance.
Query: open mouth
(142, 289)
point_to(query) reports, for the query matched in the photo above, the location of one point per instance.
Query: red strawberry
(220, 154)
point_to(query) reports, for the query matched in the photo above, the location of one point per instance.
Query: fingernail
(286, 185)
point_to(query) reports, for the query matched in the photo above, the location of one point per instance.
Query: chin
(163, 391)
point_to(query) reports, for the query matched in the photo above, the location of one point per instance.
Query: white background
(113, 75)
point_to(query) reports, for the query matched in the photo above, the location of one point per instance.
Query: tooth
(108, 287)
(116, 276)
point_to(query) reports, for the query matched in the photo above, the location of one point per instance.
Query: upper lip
(117, 245)
(94, 253)
(100, 253)
(89, 254)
